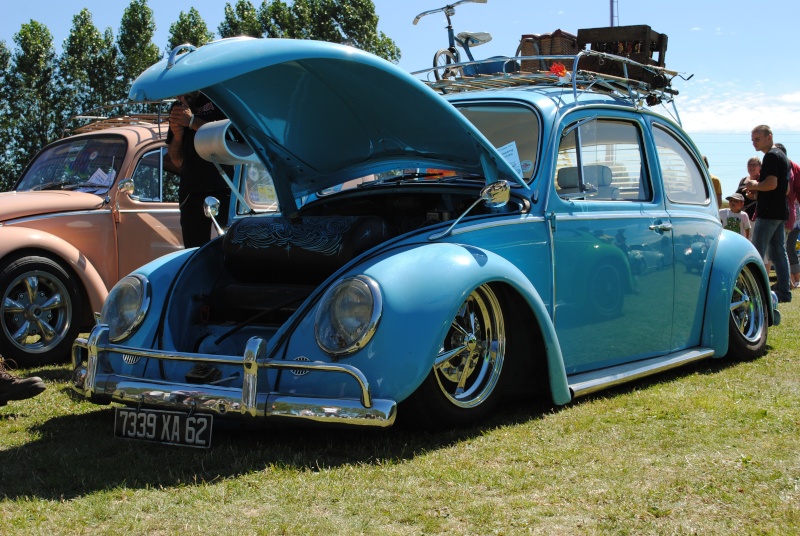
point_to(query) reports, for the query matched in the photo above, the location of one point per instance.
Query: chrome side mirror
(126, 187)
(495, 195)
(211, 210)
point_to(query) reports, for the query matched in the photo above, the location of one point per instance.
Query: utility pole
(614, 13)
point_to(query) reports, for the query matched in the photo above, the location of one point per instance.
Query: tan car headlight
(347, 315)
(126, 306)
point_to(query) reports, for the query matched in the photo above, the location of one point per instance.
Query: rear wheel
(442, 62)
(39, 311)
(747, 329)
(463, 386)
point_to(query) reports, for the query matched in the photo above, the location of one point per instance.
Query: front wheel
(39, 311)
(463, 386)
(747, 329)
(442, 62)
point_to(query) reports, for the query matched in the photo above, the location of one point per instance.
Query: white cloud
(726, 109)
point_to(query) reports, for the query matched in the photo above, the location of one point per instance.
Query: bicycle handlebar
(448, 6)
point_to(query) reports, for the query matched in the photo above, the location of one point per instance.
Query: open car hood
(319, 114)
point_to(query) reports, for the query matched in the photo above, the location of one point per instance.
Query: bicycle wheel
(442, 62)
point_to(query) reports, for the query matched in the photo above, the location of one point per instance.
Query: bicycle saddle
(474, 39)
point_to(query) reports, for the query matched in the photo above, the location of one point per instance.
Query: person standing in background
(771, 210)
(716, 183)
(199, 178)
(793, 222)
(733, 218)
(753, 171)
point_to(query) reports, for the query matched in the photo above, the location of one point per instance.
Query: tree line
(40, 89)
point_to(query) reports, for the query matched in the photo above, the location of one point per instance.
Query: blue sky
(745, 72)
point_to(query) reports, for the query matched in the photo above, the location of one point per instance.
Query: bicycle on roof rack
(446, 60)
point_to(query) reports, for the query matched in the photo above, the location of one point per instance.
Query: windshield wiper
(53, 185)
(398, 178)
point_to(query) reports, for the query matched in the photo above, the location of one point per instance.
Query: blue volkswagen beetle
(420, 249)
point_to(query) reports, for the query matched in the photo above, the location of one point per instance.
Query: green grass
(709, 449)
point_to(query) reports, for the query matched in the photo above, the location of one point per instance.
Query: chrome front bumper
(90, 381)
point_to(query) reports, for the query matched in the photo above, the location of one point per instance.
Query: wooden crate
(639, 43)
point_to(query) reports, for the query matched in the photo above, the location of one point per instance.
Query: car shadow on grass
(77, 454)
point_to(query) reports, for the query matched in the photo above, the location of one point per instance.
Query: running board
(588, 382)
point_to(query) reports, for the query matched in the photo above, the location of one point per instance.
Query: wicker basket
(557, 43)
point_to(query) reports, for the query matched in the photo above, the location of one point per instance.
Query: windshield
(511, 128)
(87, 164)
(257, 190)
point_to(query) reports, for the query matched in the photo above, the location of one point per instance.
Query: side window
(152, 181)
(683, 180)
(601, 160)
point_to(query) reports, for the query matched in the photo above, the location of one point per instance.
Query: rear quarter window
(680, 171)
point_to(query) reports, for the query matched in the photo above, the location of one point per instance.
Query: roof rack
(657, 87)
(116, 115)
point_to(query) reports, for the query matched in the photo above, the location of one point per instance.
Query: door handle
(661, 227)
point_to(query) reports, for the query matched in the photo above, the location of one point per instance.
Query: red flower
(558, 69)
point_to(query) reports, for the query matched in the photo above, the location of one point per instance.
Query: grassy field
(709, 449)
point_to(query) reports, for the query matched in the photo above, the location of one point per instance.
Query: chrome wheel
(748, 308)
(470, 361)
(37, 311)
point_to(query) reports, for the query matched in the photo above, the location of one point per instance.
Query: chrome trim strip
(38, 217)
(610, 215)
(150, 211)
(522, 219)
(588, 382)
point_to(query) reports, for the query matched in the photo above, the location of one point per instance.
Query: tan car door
(148, 219)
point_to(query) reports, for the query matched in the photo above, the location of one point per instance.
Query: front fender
(734, 252)
(422, 288)
(16, 238)
(160, 274)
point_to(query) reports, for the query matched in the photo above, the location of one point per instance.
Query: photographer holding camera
(199, 177)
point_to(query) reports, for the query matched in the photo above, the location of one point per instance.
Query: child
(733, 218)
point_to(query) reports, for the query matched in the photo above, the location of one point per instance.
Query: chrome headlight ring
(126, 306)
(347, 315)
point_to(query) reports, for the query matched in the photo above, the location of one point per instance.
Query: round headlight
(347, 315)
(126, 306)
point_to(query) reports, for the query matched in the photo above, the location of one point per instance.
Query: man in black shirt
(771, 209)
(199, 177)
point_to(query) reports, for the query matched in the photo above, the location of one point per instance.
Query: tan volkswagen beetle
(87, 210)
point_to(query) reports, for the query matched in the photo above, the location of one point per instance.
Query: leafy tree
(109, 86)
(189, 28)
(79, 63)
(7, 175)
(34, 96)
(240, 20)
(351, 22)
(135, 41)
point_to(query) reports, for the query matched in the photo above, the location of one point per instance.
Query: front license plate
(170, 427)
